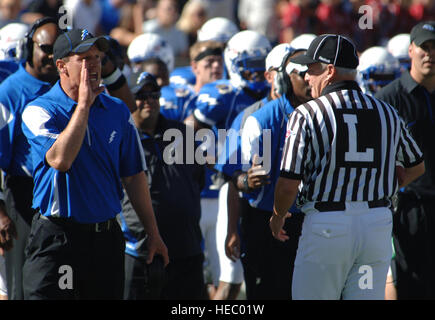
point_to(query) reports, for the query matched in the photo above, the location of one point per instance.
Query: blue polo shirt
(15, 92)
(90, 191)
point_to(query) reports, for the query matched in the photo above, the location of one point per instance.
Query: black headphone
(283, 84)
(27, 46)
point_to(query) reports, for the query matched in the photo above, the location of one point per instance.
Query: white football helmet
(218, 29)
(247, 51)
(151, 45)
(11, 40)
(398, 47)
(377, 68)
(303, 41)
(276, 56)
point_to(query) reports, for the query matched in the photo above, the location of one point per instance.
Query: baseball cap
(77, 41)
(138, 79)
(332, 49)
(422, 32)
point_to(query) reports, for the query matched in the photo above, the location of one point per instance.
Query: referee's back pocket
(329, 230)
(325, 243)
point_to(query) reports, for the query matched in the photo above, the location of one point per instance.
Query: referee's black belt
(87, 227)
(341, 206)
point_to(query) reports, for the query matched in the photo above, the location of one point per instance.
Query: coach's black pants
(267, 263)
(66, 262)
(18, 199)
(414, 242)
(183, 279)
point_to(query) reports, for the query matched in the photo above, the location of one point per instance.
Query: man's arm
(139, 195)
(65, 149)
(407, 175)
(232, 241)
(285, 195)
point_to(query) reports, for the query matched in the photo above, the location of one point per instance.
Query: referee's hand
(276, 224)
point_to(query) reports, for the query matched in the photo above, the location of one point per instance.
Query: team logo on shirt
(112, 136)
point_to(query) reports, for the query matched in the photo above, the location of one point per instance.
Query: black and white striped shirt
(344, 146)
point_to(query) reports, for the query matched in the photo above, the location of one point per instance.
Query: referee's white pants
(343, 254)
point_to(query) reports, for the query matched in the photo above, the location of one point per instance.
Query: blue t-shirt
(15, 92)
(90, 191)
(272, 116)
(230, 160)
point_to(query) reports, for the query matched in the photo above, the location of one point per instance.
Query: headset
(27, 45)
(282, 82)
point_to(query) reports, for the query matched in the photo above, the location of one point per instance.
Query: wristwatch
(245, 183)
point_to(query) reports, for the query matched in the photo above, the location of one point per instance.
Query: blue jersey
(182, 76)
(272, 116)
(90, 191)
(7, 67)
(177, 102)
(185, 76)
(217, 105)
(15, 92)
(220, 102)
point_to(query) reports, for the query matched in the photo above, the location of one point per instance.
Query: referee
(341, 153)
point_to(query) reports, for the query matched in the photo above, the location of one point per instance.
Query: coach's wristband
(113, 77)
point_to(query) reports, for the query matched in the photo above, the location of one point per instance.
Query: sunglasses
(46, 48)
(145, 95)
(301, 73)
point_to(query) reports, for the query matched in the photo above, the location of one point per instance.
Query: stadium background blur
(280, 20)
